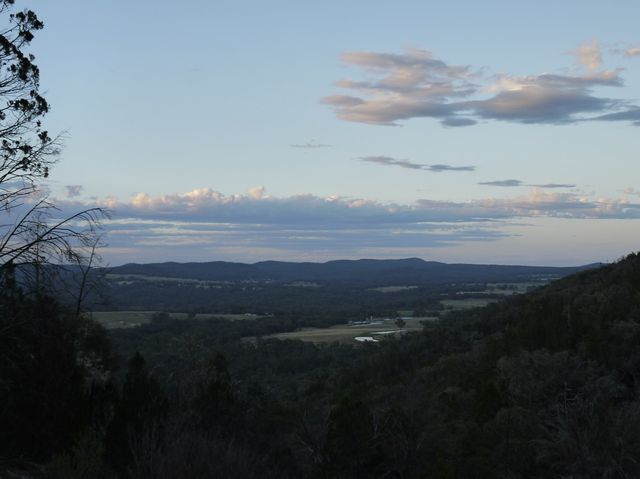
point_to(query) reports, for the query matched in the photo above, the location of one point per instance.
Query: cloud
(589, 54)
(416, 72)
(208, 206)
(626, 52)
(457, 121)
(415, 84)
(541, 204)
(204, 223)
(437, 168)
(550, 99)
(386, 160)
(309, 207)
(506, 183)
(632, 52)
(513, 183)
(73, 191)
(257, 192)
(631, 114)
(405, 85)
(310, 145)
(554, 185)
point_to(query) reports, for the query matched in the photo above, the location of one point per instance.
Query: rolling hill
(364, 271)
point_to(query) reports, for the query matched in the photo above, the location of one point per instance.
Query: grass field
(131, 278)
(304, 284)
(347, 333)
(132, 319)
(512, 288)
(392, 289)
(466, 303)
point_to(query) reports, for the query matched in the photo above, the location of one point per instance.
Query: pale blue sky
(164, 98)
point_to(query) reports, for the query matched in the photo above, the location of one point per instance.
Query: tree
(41, 382)
(350, 439)
(31, 230)
(81, 282)
(44, 402)
(216, 402)
(141, 407)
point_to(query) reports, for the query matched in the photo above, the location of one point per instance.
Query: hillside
(379, 272)
(341, 290)
(544, 384)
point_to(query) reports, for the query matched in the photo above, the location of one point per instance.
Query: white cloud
(415, 84)
(632, 52)
(204, 223)
(207, 206)
(590, 55)
(257, 192)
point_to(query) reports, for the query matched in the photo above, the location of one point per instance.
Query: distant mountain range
(363, 271)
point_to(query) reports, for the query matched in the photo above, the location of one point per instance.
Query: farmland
(132, 319)
(346, 333)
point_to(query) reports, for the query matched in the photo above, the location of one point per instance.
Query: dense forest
(543, 384)
(364, 271)
(322, 292)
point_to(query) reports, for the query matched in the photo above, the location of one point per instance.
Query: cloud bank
(205, 223)
(415, 84)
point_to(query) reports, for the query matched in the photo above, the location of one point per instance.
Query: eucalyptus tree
(32, 229)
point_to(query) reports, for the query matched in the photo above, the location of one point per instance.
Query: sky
(484, 132)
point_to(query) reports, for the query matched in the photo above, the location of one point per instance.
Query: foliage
(138, 409)
(540, 385)
(31, 232)
(53, 370)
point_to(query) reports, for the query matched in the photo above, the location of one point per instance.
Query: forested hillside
(364, 271)
(540, 385)
(336, 290)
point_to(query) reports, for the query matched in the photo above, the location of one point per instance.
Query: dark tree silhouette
(45, 375)
(350, 439)
(140, 407)
(41, 395)
(31, 229)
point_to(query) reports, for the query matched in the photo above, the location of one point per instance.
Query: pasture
(346, 333)
(132, 319)
(465, 303)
